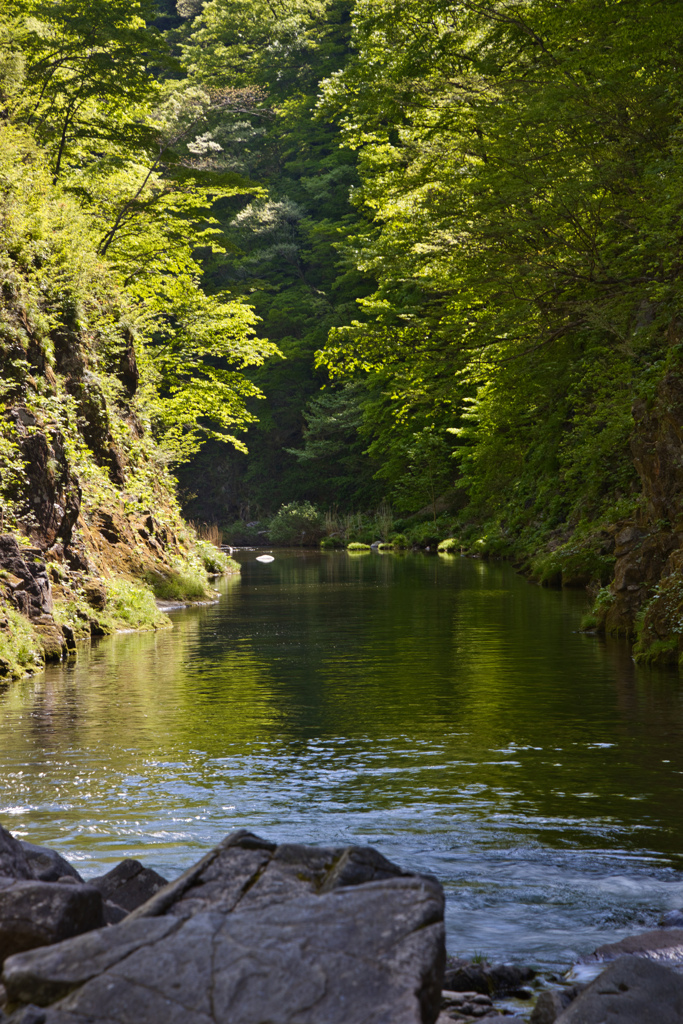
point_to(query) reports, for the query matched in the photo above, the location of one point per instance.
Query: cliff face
(90, 529)
(646, 596)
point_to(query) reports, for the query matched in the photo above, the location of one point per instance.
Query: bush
(356, 545)
(399, 541)
(451, 544)
(178, 586)
(133, 606)
(331, 543)
(297, 523)
(216, 562)
(575, 564)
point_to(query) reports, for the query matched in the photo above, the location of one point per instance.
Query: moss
(575, 564)
(331, 543)
(656, 652)
(356, 545)
(589, 622)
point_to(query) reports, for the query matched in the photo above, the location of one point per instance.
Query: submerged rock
(254, 932)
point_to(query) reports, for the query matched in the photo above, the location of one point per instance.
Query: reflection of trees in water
(383, 681)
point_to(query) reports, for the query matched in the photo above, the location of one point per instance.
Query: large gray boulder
(631, 990)
(253, 933)
(38, 913)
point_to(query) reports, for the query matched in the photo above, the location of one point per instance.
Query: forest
(355, 272)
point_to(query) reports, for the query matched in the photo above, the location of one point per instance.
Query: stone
(47, 865)
(631, 990)
(551, 1003)
(129, 884)
(672, 919)
(113, 913)
(253, 933)
(491, 979)
(457, 1005)
(663, 944)
(40, 913)
(32, 596)
(51, 640)
(95, 594)
(13, 860)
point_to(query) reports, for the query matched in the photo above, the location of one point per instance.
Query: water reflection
(441, 709)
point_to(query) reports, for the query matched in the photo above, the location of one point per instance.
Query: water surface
(441, 709)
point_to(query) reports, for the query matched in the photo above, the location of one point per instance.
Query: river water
(441, 709)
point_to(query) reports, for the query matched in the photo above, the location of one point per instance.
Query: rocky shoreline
(286, 934)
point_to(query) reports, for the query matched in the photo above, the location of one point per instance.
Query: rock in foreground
(632, 990)
(254, 932)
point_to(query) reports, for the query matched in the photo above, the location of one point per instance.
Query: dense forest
(360, 271)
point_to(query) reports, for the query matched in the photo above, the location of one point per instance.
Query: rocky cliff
(645, 599)
(90, 528)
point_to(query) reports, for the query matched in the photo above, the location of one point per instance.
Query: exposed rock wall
(646, 596)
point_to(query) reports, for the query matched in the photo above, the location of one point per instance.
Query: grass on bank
(20, 647)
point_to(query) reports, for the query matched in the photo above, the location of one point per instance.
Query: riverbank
(51, 601)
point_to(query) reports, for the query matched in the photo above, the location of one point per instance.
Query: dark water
(441, 709)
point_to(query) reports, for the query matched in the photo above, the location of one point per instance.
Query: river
(439, 708)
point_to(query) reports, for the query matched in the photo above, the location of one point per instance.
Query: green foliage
(178, 585)
(132, 606)
(399, 541)
(20, 649)
(450, 544)
(296, 523)
(582, 561)
(331, 544)
(283, 251)
(120, 142)
(216, 562)
(523, 241)
(356, 545)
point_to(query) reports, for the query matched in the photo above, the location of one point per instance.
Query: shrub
(132, 605)
(216, 562)
(450, 544)
(331, 543)
(356, 545)
(575, 564)
(399, 541)
(296, 523)
(178, 586)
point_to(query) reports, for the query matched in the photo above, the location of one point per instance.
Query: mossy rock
(356, 545)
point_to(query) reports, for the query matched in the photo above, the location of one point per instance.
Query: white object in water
(265, 558)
